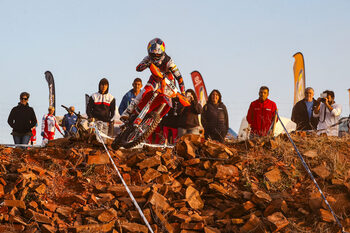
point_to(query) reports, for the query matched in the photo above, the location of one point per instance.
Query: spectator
(188, 119)
(101, 107)
(215, 118)
(68, 122)
(130, 95)
(328, 112)
(261, 114)
(170, 122)
(49, 126)
(32, 140)
(22, 119)
(302, 112)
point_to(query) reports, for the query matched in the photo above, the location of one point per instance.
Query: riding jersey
(48, 126)
(165, 65)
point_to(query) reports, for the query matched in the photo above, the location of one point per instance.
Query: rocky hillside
(197, 186)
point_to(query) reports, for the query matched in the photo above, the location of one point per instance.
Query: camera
(323, 97)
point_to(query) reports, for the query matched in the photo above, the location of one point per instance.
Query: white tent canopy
(244, 129)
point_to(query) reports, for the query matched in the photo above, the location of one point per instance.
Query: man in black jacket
(302, 112)
(22, 119)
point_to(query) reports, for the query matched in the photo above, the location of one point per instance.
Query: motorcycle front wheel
(133, 135)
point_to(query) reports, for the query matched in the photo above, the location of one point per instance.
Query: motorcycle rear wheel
(132, 136)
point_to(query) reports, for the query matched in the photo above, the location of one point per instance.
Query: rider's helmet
(156, 49)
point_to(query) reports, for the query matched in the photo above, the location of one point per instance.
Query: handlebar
(77, 114)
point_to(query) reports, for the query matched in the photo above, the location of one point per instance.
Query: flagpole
(349, 98)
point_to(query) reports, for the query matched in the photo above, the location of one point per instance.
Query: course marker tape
(125, 185)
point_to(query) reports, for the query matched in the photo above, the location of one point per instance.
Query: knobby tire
(121, 140)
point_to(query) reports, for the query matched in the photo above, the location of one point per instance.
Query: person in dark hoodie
(214, 117)
(22, 119)
(101, 107)
(188, 119)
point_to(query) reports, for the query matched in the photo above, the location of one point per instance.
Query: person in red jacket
(261, 114)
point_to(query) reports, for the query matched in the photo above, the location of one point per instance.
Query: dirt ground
(197, 186)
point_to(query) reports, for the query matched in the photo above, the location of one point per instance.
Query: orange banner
(299, 77)
(349, 100)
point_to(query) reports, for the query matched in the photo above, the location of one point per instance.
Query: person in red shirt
(261, 114)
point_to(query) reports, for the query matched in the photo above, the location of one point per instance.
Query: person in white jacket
(329, 114)
(48, 126)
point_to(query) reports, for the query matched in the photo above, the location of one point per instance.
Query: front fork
(144, 111)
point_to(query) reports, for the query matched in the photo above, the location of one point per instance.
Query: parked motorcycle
(81, 131)
(149, 112)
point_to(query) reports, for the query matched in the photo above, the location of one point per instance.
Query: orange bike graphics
(299, 77)
(155, 71)
(166, 80)
(149, 112)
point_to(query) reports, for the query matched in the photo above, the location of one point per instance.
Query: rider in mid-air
(157, 56)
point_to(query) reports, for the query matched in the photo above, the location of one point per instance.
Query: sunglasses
(24, 98)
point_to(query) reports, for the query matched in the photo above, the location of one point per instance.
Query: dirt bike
(149, 112)
(81, 131)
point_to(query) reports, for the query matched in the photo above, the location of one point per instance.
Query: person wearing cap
(49, 126)
(69, 121)
(101, 107)
(22, 119)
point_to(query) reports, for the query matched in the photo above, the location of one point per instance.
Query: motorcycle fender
(156, 71)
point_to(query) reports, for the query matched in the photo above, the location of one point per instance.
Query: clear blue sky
(236, 45)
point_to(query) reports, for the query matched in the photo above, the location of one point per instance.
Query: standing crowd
(321, 115)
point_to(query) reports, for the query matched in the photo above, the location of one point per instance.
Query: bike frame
(160, 98)
(150, 102)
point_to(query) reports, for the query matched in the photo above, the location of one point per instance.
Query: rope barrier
(310, 174)
(341, 120)
(121, 178)
(20, 145)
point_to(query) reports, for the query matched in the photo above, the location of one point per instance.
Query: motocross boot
(126, 114)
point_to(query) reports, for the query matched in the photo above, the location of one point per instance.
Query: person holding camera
(302, 112)
(188, 119)
(328, 112)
